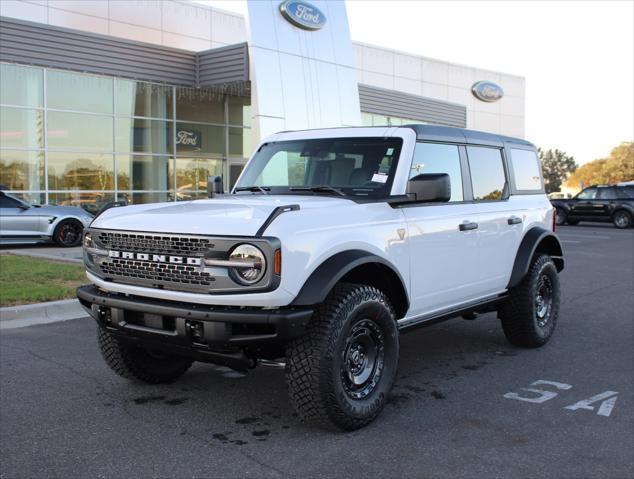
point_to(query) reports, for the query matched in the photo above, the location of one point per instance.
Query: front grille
(160, 244)
(156, 272)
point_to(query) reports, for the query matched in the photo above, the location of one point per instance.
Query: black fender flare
(536, 240)
(331, 271)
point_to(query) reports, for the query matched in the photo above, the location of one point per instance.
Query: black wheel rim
(621, 220)
(69, 233)
(543, 300)
(363, 359)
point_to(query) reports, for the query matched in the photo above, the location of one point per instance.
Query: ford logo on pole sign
(487, 91)
(303, 14)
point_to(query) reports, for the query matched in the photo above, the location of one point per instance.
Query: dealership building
(142, 100)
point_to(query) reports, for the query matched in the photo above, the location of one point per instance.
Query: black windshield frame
(371, 154)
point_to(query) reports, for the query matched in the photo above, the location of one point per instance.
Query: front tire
(529, 315)
(561, 217)
(340, 372)
(622, 219)
(68, 233)
(133, 362)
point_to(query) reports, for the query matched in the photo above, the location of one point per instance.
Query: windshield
(336, 166)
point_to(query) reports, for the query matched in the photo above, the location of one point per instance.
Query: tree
(618, 167)
(556, 166)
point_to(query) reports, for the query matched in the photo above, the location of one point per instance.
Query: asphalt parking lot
(461, 407)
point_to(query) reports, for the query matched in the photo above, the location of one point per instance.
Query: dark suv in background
(598, 203)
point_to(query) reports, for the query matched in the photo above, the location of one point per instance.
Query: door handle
(468, 226)
(514, 220)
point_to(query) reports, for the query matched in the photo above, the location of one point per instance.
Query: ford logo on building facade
(487, 91)
(303, 14)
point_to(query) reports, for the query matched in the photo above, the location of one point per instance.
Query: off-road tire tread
(311, 390)
(516, 313)
(123, 360)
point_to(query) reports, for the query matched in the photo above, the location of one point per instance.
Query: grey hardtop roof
(462, 135)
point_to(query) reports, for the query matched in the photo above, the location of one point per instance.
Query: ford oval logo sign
(487, 91)
(303, 14)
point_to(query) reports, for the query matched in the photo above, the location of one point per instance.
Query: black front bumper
(206, 333)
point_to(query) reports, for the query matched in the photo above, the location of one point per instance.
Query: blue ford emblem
(487, 91)
(303, 14)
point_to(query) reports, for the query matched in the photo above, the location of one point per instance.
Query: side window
(587, 194)
(439, 158)
(607, 194)
(526, 170)
(6, 202)
(487, 173)
(625, 192)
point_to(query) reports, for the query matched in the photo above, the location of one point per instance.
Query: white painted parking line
(570, 241)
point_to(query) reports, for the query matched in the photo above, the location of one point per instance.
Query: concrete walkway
(40, 313)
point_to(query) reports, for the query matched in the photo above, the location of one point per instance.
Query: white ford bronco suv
(331, 244)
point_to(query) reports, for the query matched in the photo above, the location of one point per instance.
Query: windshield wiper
(265, 190)
(318, 189)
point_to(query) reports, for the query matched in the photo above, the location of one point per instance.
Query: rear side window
(624, 192)
(487, 173)
(526, 170)
(438, 158)
(607, 194)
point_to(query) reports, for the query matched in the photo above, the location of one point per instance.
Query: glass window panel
(77, 91)
(82, 132)
(487, 173)
(35, 198)
(21, 86)
(21, 128)
(587, 194)
(144, 172)
(366, 119)
(140, 198)
(438, 158)
(143, 136)
(199, 105)
(143, 99)
(90, 201)
(192, 173)
(526, 170)
(239, 110)
(192, 138)
(236, 142)
(22, 170)
(80, 171)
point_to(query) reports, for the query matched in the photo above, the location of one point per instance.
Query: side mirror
(24, 206)
(214, 186)
(429, 187)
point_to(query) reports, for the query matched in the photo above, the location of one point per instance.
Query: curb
(40, 313)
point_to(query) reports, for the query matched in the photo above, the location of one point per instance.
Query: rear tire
(341, 371)
(132, 362)
(622, 219)
(529, 315)
(68, 233)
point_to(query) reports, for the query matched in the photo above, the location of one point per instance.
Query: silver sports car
(21, 222)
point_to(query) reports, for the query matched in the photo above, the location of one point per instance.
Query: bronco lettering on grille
(155, 258)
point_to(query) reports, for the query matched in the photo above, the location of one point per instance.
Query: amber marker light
(277, 262)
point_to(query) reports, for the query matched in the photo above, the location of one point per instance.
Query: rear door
(500, 217)
(443, 255)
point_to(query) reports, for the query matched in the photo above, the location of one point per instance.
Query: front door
(443, 255)
(586, 204)
(17, 219)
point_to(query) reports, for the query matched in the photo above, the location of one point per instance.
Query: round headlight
(254, 264)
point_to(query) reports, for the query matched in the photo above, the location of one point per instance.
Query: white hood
(229, 215)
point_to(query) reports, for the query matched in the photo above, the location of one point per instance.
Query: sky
(577, 57)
